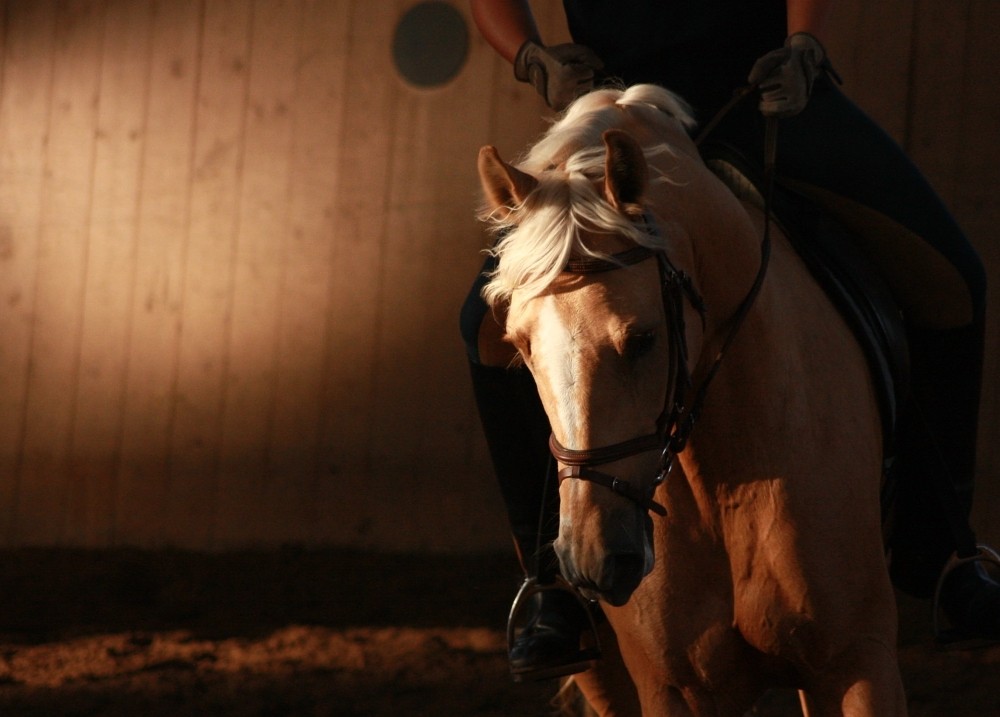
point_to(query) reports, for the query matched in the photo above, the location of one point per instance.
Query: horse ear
(625, 171)
(505, 186)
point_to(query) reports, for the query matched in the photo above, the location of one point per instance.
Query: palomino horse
(628, 273)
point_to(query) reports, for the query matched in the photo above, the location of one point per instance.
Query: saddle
(834, 257)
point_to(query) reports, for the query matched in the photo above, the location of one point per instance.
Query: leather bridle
(676, 420)
(675, 286)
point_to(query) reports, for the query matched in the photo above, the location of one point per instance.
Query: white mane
(539, 236)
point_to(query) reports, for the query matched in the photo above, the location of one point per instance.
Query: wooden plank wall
(923, 70)
(233, 244)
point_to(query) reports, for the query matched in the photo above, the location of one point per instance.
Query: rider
(828, 149)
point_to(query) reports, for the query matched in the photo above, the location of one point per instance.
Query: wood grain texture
(68, 164)
(234, 243)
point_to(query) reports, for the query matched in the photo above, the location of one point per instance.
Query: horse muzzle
(610, 573)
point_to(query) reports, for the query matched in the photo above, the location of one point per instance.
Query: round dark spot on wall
(431, 44)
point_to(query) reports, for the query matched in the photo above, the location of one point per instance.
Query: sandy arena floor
(316, 633)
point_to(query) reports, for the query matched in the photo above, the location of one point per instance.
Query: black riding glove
(560, 73)
(786, 75)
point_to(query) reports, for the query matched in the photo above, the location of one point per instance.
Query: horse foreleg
(804, 703)
(607, 685)
(863, 681)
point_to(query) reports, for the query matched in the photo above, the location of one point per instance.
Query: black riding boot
(517, 432)
(937, 460)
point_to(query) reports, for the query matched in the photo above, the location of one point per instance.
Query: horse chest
(690, 649)
(711, 660)
(697, 651)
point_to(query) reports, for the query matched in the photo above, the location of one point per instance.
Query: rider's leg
(936, 439)
(517, 431)
(940, 453)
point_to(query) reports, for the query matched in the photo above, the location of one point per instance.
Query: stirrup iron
(582, 660)
(984, 554)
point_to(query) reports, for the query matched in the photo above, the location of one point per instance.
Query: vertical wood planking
(956, 104)
(887, 92)
(233, 246)
(842, 25)
(977, 148)
(444, 192)
(43, 500)
(209, 273)
(245, 465)
(847, 20)
(863, 36)
(978, 208)
(26, 85)
(158, 277)
(938, 70)
(403, 345)
(431, 224)
(107, 298)
(354, 321)
(516, 116)
(323, 92)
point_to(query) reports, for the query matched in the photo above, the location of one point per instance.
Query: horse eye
(637, 345)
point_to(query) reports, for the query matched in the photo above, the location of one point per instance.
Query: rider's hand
(786, 75)
(560, 73)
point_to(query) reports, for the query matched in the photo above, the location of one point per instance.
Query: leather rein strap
(676, 420)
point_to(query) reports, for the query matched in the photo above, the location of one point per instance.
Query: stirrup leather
(984, 554)
(582, 660)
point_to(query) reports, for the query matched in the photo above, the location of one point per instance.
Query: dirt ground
(298, 632)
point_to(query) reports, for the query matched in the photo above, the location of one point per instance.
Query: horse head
(582, 271)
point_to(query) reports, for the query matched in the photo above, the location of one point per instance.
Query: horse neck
(769, 372)
(723, 253)
(713, 238)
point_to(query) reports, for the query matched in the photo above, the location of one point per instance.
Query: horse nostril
(622, 569)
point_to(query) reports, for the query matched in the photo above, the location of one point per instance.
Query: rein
(677, 420)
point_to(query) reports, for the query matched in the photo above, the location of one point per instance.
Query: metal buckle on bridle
(675, 443)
